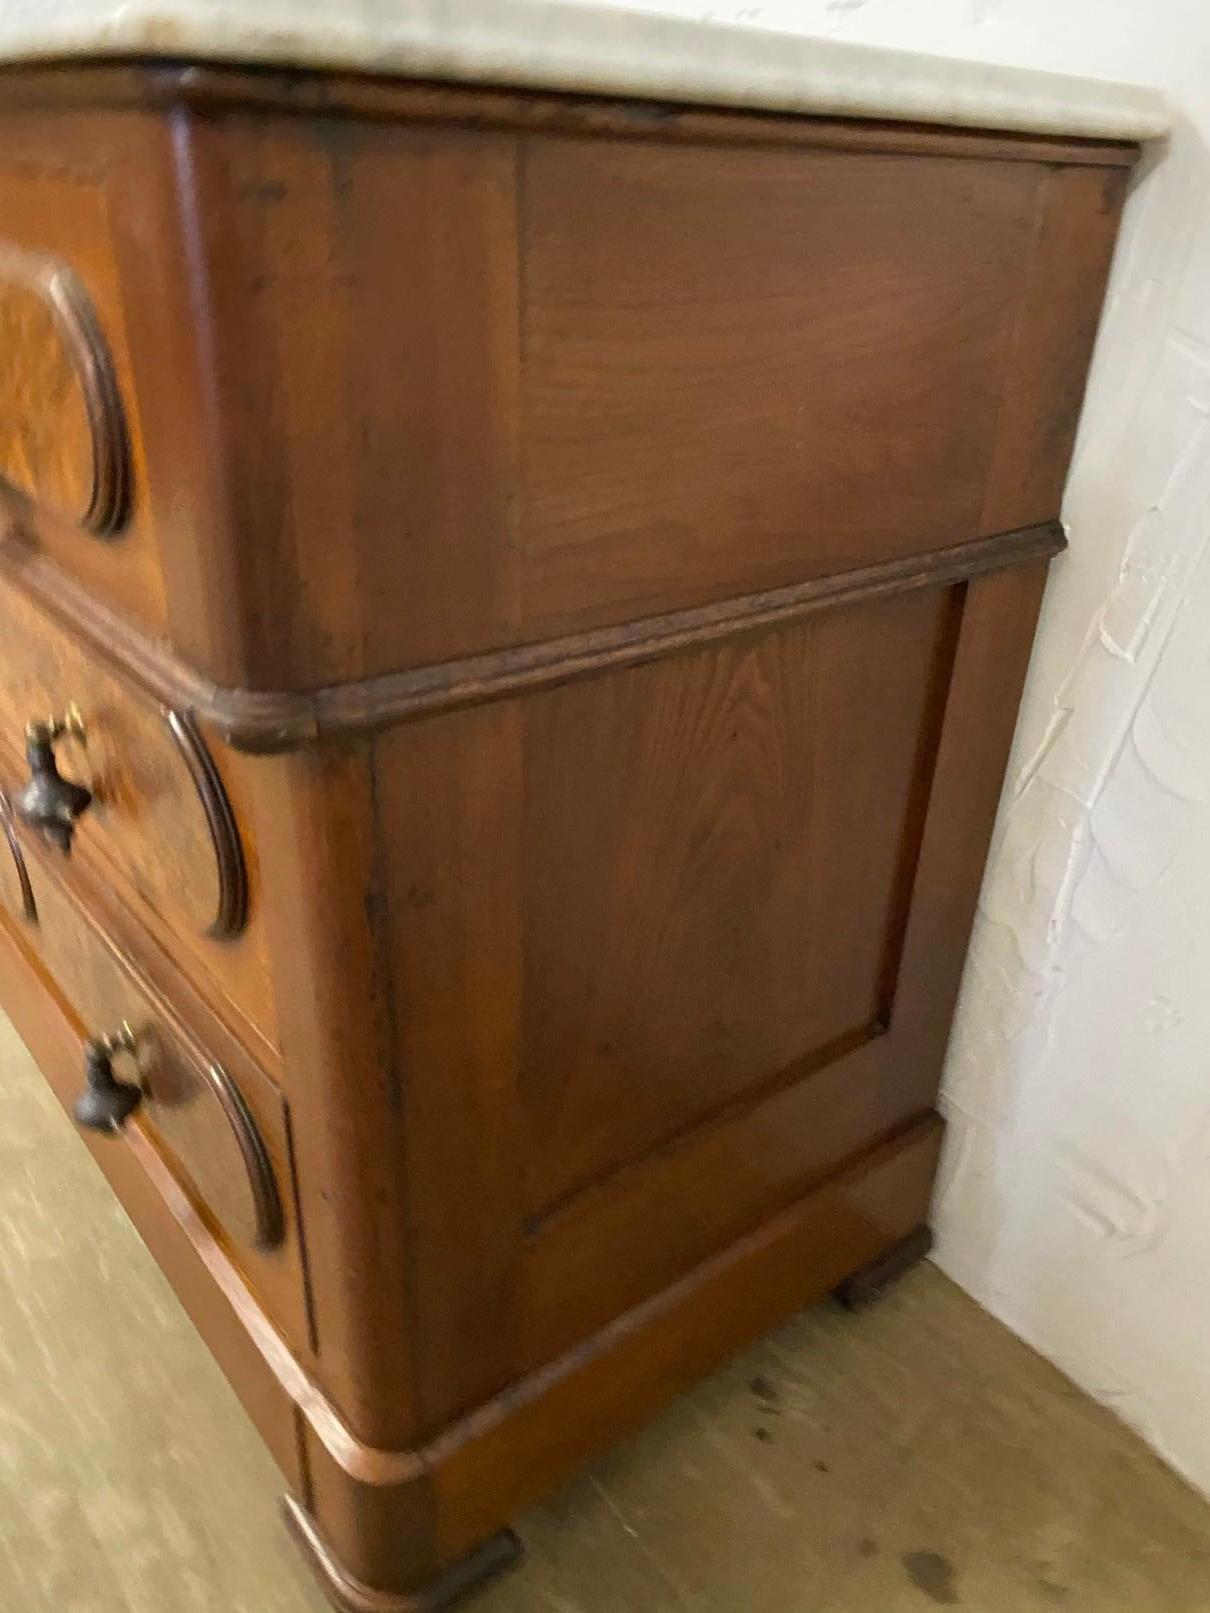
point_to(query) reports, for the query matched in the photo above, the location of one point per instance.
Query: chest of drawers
(536, 590)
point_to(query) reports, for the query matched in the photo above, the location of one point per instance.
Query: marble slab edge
(553, 45)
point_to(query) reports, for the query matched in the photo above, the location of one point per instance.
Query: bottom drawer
(203, 1278)
(222, 1128)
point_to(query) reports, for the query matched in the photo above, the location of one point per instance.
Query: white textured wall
(1075, 1201)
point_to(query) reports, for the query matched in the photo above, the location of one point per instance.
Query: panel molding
(271, 721)
(69, 352)
(231, 909)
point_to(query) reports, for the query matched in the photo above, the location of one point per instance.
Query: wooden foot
(350, 1595)
(871, 1282)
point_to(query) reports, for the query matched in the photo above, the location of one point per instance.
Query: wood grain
(268, 721)
(623, 535)
(62, 439)
(80, 458)
(150, 823)
(210, 1140)
(717, 916)
(532, 388)
(748, 368)
(1060, 302)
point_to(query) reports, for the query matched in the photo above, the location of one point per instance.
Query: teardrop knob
(106, 1102)
(51, 803)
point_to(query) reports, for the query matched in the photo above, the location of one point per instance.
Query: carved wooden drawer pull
(50, 803)
(107, 1102)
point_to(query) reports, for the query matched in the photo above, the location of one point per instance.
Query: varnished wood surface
(182, 1245)
(747, 370)
(158, 822)
(211, 1138)
(702, 460)
(377, 1492)
(63, 440)
(714, 914)
(632, 536)
(60, 187)
(265, 722)
(1075, 231)
(730, 381)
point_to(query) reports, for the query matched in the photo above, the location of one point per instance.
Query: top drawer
(419, 375)
(72, 467)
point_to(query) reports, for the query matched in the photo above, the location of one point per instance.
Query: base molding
(350, 1595)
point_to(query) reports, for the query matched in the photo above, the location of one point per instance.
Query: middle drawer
(215, 1118)
(162, 819)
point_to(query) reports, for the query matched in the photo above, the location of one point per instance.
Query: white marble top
(546, 44)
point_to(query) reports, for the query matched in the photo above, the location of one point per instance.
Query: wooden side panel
(746, 367)
(399, 391)
(558, 382)
(621, 910)
(1060, 307)
(631, 1232)
(673, 942)
(622, 1377)
(711, 855)
(992, 657)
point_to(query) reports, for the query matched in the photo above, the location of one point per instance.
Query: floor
(912, 1457)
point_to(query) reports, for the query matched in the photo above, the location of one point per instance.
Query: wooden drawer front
(72, 472)
(62, 429)
(161, 818)
(222, 1128)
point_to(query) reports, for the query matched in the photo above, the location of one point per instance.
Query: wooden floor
(912, 1457)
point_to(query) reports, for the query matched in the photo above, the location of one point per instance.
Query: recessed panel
(715, 855)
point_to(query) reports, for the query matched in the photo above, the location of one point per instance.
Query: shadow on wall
(1075, 1199)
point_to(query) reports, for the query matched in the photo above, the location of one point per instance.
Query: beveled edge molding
(71, 308)
(266, 1202)
(270, 721)
(231, 914)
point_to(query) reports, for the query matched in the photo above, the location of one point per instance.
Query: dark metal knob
(106, 1103)
(51, 803)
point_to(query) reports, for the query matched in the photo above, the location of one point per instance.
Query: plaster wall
(1075, 1198)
